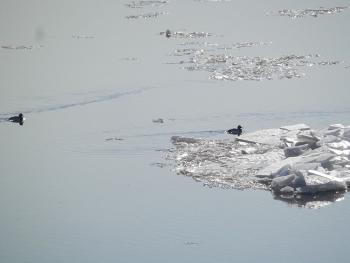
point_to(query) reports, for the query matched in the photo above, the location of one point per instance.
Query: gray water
(80, 180)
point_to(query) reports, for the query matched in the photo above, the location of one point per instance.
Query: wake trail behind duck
(113, 96)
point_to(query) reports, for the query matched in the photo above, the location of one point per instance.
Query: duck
(17, 119)
(168, 33)
(235, 131)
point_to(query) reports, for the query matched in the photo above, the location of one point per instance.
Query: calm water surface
(84, 74)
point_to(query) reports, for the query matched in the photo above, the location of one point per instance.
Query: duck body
(235, 131)
(17, 119)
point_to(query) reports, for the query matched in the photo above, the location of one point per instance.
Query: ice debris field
(299, 165)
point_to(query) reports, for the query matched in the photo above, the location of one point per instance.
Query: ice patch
(233, 68)
(226, 67)
(208, 57)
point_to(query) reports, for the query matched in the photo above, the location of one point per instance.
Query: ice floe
(130, 59)
(80, 36)
(21, 47)
(298, 13)
(244, 45)
(298, 164)
(212, 1)
(184, 34)
(194, 50)
(145, 3)
(146, 15)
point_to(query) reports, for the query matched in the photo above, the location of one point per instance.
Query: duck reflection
(311, 201)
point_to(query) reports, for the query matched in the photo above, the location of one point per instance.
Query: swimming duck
(234, 131)
(17, 119)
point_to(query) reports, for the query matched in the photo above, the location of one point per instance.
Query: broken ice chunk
(280, 182)
(296, 127)
(287, 190)
(283, 171)
(335, 132)
(331, 186)
(299, 180)
(308, 138)
(305, 166)
(249, 150)
(342, 145)
(296, 150)
(330, 177)
(267, 137)
(335, 126)
(323, 159)
(292, 180)
(273, 168)
(330, 139)
(340, 161)
(179, 139)
(346, 133)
